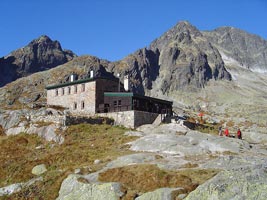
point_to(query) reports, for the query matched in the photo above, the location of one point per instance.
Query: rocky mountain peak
(185, 26)
(40, 54)
(45, 41)
(182, 32)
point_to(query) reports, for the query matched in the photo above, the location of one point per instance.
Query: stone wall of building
(141, 117)
(73, 120)
(132, 118)
(121, 118)
(80, 101)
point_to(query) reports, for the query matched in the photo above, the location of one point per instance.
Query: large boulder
(161, 193)
(72, 188)
(243, 183)
(11, 118)
(228, 162)
(46, 132)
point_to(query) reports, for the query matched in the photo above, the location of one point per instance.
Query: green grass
(83, 144)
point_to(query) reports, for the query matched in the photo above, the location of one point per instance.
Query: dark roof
(131, 94)
(78, 82)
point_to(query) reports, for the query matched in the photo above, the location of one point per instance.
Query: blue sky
(112, 29)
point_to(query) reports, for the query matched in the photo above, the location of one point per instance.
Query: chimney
(126, 83)
(73, 77)
(91, 74)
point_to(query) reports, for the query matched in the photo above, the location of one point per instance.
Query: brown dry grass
(2, 131)
(138, 179)
(83, 144)
(42, 123)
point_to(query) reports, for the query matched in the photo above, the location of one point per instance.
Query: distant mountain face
(181, 59)
(250, 51)
(40, 54)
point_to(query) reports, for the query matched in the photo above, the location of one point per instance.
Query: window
(119, 102)
(115, 103)
(74, 106)
(83, 87)
(56, 92)
(82, 105)
(69, 90)
(63, 91)
(75, 89)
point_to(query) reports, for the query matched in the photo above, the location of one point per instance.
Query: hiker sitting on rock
(226, 132)
(239, 134)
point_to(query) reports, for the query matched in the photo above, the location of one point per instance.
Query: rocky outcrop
(39, 55)
(193, 143)
(243, 183)
(162, 193)
(72, 188)
(43, 122)
(142, 68)
(250, 51)
(16, 187)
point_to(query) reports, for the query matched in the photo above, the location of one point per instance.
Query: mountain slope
(250, 51)
(40, 54)
(30, 89)
(181, 59)
(183, 65)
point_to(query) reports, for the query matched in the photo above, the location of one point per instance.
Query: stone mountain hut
(107, 97)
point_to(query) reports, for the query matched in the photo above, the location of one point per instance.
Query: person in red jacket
(226, 132)
(239, 134)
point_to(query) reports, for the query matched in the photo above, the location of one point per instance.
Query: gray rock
(234, 161)
(71, 189)
(77, 171)
(134, 133)
(96, 162)
(255, 137)
(46, 132)
(139, 158)
(161, 194)
(193, 143)
(16, 187)
(10, 119)
(16, 130)
(39, 169)
(8, 190)
(238, 184)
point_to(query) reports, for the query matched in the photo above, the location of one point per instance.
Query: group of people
(226, 133)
